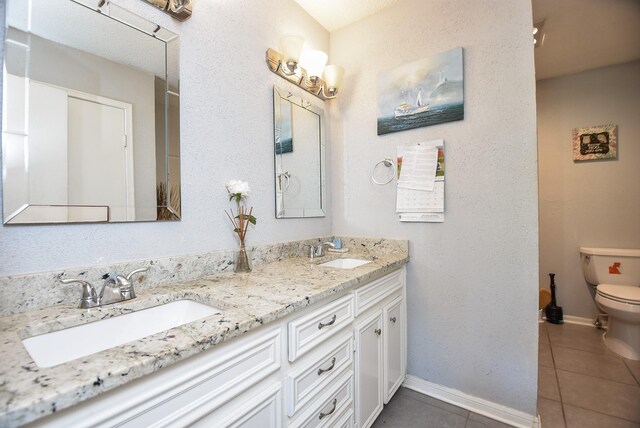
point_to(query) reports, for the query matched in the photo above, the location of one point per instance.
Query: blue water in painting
(286, 146)
(438, 114)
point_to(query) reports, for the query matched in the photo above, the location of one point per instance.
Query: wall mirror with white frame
(299, 156)
(90, 128)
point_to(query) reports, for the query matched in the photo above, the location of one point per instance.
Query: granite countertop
(271, 291)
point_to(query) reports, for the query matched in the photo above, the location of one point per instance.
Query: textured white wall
(593, 204)
(472, 280)
(227, 132)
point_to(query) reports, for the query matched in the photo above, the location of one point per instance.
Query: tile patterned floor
(409, 409)
(581, 384)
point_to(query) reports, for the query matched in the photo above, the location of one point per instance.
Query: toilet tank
(619, 266)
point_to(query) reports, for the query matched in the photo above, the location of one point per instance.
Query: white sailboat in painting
(442, 81)
(405, 109)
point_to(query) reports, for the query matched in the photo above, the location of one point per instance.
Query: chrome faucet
(116, 288)
(318, 250)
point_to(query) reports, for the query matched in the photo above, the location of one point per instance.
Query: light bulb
(333, 77)
(313, 61)
(291, 46)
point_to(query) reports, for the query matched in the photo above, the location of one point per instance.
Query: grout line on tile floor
(598, 412)
(626, 364)
(555, 372)
(595, 375)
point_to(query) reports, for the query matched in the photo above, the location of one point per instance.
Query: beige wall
(594, 203)
(472, 280)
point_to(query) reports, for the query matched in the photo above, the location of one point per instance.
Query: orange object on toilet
(613, 269)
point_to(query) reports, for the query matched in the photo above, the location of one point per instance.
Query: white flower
(235, 187)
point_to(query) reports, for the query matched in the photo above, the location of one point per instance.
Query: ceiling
(335, 14)
(585, 34)
(579, 34)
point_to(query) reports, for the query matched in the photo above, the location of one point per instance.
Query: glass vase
(241, 260)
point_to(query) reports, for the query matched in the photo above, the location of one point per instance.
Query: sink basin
(51, 349)
(345, 263)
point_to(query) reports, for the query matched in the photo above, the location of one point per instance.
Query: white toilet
(616, 274)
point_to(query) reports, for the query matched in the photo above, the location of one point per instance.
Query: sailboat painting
(421, 93)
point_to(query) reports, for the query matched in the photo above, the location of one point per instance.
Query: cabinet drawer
(328, 408)
(370, 294)
(311, 329)
(221, 378)
(345, 420)
(306, 384)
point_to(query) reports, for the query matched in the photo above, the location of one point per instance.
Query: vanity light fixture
(313, 62)
(305, 68)
(178, 9)
(333, 77)
(291, 46)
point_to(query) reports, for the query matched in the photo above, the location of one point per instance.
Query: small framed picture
(595, 143)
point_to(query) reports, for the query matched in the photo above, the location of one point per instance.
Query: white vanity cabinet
(261, 410)
(206, 388)
(369, 369)
(395, 348)
(320, 376)
(307, 370)
(380, 345)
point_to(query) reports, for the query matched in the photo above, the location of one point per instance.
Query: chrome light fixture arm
(312, 84)
(178, 9)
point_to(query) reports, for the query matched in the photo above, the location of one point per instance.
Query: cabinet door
(369, 387)
(394, 346)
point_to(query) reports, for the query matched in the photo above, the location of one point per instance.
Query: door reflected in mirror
(299, 156)
(91, 115)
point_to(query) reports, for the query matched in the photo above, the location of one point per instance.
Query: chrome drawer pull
(333, 364)
(393, 320)
(377, 331)
(323, 415)
(320, 325)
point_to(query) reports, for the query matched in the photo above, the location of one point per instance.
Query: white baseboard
(483, 407)
(571, 319)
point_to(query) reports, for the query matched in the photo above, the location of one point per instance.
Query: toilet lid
(620, 292)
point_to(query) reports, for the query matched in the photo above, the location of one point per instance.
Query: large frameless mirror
(90, 129)
(299, 156)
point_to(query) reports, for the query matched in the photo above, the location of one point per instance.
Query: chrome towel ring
(389, 163)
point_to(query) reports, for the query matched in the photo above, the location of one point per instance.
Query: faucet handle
(136, 271)
(312, 250)
(89, 295)
(320, 248)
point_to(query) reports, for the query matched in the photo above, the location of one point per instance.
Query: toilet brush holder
(553, 312)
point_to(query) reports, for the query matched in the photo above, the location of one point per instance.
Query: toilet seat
(620, 293)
